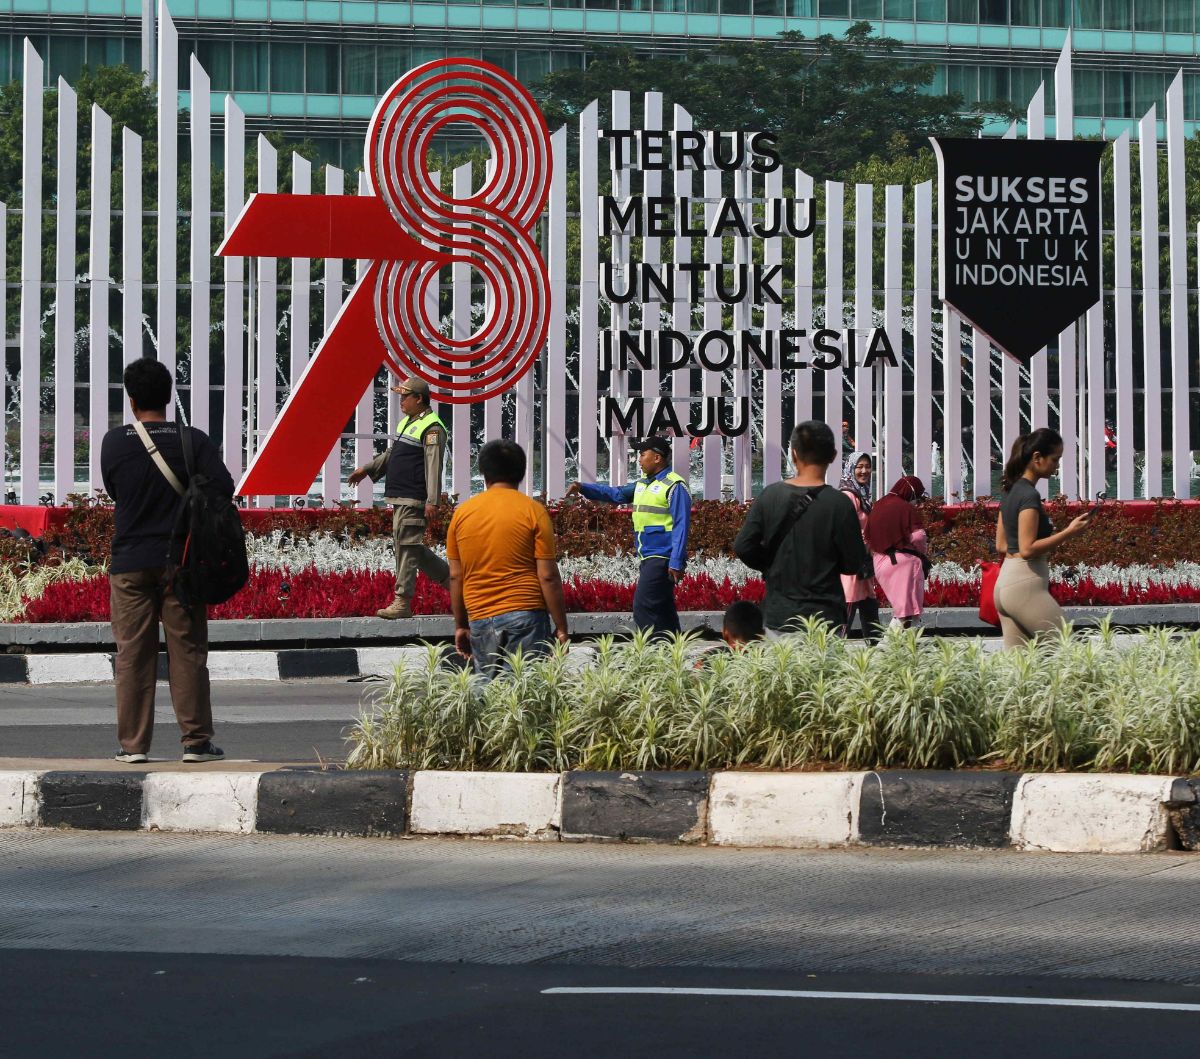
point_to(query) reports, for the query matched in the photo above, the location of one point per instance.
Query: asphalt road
(298, 721)
(266, 945)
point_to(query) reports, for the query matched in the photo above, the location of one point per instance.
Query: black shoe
(130, 757)
(203, 752)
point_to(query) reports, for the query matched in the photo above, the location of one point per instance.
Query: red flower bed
(312, 595)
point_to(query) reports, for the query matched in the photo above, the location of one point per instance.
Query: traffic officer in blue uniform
(413, 466)
(662, 513)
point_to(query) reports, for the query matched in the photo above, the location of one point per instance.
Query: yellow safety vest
(412, 431)
(652, 503)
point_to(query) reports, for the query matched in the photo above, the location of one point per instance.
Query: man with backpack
(803, 534)
(146, 472)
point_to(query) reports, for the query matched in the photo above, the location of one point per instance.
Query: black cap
(660, 445)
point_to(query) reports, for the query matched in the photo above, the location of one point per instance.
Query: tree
(832, 102)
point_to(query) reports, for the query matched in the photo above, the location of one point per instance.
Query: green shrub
(813, 700)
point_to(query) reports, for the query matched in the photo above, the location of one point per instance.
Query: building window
(287, 66)
(993, 12)
(1148, 15)
(214, 56)
(532, 66)
(902, 10)
(358, 69)
(1149, 89)
(964, 11)
(65, 59)
(1087, 14)
(829, 8)
(391, 62)
(1118, 15)
(1177, 16)
(1025, 12)
(321, 68)
(866, 9)
(993, 84)
(1056, 13)
(1118, 94)
(931, 10)
(249, 66)
(1089, 93)
(963, 81)
(108, 51)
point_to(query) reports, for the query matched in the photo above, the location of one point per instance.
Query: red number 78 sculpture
(409, 229)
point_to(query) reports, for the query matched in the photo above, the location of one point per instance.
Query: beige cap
(415, 385)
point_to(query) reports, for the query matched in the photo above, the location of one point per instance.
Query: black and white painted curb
(1075, 813)
(290, 664)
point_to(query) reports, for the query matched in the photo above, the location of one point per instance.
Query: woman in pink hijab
(898, 542)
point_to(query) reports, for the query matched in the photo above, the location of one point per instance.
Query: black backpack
(206, 557)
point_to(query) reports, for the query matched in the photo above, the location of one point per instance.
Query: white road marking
(921, 998)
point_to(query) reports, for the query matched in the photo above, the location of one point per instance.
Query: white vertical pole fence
(883, 420)
(99, 265)
(923, 333)
(64, 297)
(1181, 448)
(1152, 479)
(331, 473)
(1123, 316)
(31, 275)
(554, 459)
(234, 270)
(200, 264)
(168, 184)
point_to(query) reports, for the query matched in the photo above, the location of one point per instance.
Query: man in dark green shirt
(803, 535)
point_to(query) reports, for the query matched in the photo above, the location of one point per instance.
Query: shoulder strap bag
(800, 504)
(157, 456)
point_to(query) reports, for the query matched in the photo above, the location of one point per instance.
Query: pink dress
(903, 582)
(856, 589)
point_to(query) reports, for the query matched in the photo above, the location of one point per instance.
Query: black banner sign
(1020, 236)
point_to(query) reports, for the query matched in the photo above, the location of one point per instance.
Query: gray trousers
(408, 538)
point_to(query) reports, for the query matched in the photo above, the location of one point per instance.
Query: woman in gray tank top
(1026, 538)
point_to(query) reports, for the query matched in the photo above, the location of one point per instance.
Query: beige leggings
(1023, 600)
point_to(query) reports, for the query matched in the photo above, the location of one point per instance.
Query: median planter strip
(635, 806)
(937, 808)
(1064, 813)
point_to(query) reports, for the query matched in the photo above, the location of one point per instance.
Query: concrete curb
(303, 633)
(1062, 813)
(288, 664)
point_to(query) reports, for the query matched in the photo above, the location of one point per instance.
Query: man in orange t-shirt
(504, 581)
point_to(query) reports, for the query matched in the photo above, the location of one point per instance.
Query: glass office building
(314, 68)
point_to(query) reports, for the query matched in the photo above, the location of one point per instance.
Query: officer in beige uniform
(413, 466)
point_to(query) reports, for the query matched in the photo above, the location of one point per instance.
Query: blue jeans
(494, 639)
